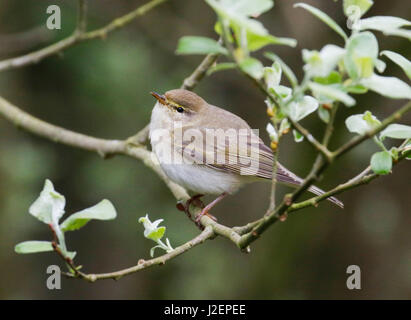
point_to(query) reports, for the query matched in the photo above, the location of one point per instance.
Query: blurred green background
(102, 88)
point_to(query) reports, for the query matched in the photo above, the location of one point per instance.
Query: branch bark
(78, 36)
(206, 234)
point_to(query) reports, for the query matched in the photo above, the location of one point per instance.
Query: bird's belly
(201, 179)
(195, 177)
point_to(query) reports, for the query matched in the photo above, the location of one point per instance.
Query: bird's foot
(196, 201)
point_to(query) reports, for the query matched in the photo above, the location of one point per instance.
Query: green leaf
(321, 64)
(381, 162)
(272, 75)
(153, 249)
(284, 126)
(356, 89)
(406, 150)
(104, 210)
(235, 18)
(404, 63)
(333, 78)
(396, 131)
(284, 67)
(403, 33)
(151, 229)
(387, 25)
(49, 206)
(281, 91)
(298, 137)
(362, 123)
(156, 234)
(70, 254)
(363, 6)
(298, 110)
(394, 153)
(380, 65)
(33, 247)
(361, 53)
(324, 18)
(272, 132)
(256, 41)
(387, 86)
(221, 67)
(371, 120)
(199, 45)
(332, 93)
(248, 8)
(236, 14)
(324, 114)
(252, 67)
(384, 22)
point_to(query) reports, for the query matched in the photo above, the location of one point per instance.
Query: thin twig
(76, 37)
(311, 139)
(273, 191)
(206, 234)
(81, 17)
(358, 139)
(366, 176)
(190, 82)
(23, 41)
(330, 124)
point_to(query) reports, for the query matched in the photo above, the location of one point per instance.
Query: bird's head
(180, 103)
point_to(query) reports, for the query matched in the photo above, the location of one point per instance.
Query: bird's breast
(202, 179)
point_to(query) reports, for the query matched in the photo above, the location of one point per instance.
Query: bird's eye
(180, 110)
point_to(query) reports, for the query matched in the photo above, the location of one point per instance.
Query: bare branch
(365, 177)
(330, 125)
(44, 129)
(310, 138)
(199, 73)
(76, 37)
(206, 234)
(11, 43)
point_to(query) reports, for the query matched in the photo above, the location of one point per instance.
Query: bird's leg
(196, 201)
(209, 206)
(186, 207)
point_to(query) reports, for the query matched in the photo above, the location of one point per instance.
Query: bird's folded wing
(239, 152)
(246, 155)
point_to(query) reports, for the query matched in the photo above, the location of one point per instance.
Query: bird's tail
(287, 177)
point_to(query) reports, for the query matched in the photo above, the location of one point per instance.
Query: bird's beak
(160, 98)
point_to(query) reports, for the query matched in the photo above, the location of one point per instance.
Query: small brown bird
(209, 150)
